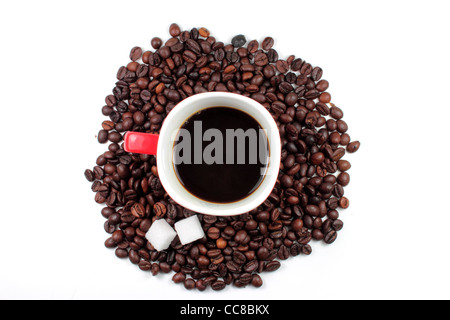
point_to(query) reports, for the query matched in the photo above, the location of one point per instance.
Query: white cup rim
(174, 122)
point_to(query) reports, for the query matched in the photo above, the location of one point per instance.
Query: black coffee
(221, 155)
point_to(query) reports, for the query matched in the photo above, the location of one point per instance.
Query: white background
(388, 66)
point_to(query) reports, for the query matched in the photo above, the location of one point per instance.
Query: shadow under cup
(221, 154)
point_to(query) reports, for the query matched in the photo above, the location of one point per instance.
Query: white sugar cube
(189, 230)
(161, 235)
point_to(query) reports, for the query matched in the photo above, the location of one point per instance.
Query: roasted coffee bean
(296, 64)
(337, 225)
(253, 46)
(267, 43)
(99, 173)
(256, 281)
(145, 265)
(261, 59)
(174, 30)
(338, 154)
(159, 209)
(108, 125)
(89, 174)
(179, 277)
(330, 237)
(238, 41)
(110, 244)
(317, 234)
(135, 53)
(189, 284)
(343, 165)
(272, 266)
(282, 66)
(239, 257)
(102, 136)
(218, 285)
(109, 228)
(242, 237)
(336, 113)
(343, 179)
(344, 203)
(353, 146)
(306, 250)
(213, 233)
(316, 74)
(156, 43)
(138, 210)
(272, 55)
(322, 85)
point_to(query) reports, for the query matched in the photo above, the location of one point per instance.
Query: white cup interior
(175, 121)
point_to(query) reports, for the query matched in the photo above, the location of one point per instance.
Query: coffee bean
(238, 41)
(135, 53)
(204, 32)
(110, 244)
(138, 210)
(267, 43)
(115, 137)
(221, 243)
(306, 250)
(218, 285)
(98, 173)
(317, 234)
(338, 154)
(330, 237)
(344, 203)
(296, 64)
(174, 30)
(253, 46)
(337, 225)
(156, 43)
(102, 136)
(272, 55)
(256, 281)
(291, 99)
(108, 125)
(89, 174)
(282, 66)
(353, 146)
(251, 266)
(316, 74)
(121, 253)
(312, 210)
(160, 209)
(341, 126)
(239, 258)
(189, 284)
(317, 158)
(189, 56)
(336, 113)
(343, 179)
(343, 165)
(213, 233)
(261, 59)
(325, 97)
(272, 266)
(242, 237)
(179, 277)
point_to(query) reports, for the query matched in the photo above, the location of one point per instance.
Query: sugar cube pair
(161, 234)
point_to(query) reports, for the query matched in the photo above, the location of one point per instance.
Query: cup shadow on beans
(306, 201)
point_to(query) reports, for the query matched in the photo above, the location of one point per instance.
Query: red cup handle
(138, 142)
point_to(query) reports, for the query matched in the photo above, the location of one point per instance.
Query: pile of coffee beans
(236, 250)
